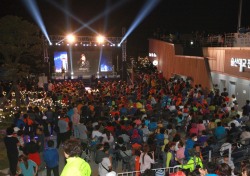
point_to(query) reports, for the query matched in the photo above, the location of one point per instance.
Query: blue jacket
(189, 145)
(51, 157)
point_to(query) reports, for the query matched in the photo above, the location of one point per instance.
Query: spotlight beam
(87, 25)
(105, 12)
(70, 14)
(146, 9)
(33, 9)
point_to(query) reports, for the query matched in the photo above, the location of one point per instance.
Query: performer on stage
(83, 62)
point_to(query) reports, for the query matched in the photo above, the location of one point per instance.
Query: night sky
(183, 16)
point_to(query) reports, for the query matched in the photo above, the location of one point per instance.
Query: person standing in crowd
(246, 109)
(63, 131)
(105, 165)
(83, 132)
(146, 158)
(75, 120)
(31, 150)
(75, 166)
(190, 144)
(49, 121)
(51, 159)
(11, 144)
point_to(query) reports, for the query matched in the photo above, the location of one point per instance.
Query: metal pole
(230, 152)
(117, 64)
(239, 15)
(209, 156)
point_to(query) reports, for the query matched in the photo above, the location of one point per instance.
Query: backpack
(99, 156)
(127, 158)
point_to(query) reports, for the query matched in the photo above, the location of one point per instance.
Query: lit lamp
(155, 62)
(71, 38)
(100, 39)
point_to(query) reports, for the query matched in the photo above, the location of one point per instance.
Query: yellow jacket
(191, 165)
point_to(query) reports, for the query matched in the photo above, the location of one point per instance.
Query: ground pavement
(94, 166)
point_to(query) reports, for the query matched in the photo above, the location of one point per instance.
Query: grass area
(3, 155)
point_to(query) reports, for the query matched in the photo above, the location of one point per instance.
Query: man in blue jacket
(51, 158)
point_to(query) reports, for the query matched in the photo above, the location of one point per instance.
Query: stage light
(119, 45)
(70, 38)
(50, 44)
(100, 39)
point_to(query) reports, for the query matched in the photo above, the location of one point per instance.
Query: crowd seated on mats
(145, 125)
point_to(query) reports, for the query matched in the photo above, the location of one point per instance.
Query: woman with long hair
(26, 167)
(145, 159)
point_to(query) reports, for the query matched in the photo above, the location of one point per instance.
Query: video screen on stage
(61, 61)
(91, 62)
(106, 63)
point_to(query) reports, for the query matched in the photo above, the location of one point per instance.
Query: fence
(135, 173)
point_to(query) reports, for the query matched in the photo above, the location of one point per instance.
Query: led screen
(91, 62)
(61, 61)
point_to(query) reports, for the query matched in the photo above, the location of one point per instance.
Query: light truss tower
(84, 39)
(124, 56)
(124, 47)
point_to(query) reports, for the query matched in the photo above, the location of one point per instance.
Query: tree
(20, 43)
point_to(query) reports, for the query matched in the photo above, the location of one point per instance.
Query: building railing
(164, 170)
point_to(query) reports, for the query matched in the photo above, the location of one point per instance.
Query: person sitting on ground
(245, 168)
(245, 136)
(223, 170)
(220, 131)
(170, 150)
(180, 156)
(136, 138)
(225, 159)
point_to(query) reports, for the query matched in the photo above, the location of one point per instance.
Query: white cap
(44, 117)
(16, 129)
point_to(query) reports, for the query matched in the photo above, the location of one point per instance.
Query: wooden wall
(171, 64)
(220, 60)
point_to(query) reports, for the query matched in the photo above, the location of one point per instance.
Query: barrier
(135, 173)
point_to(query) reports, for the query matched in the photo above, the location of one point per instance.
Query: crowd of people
(148, 124)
